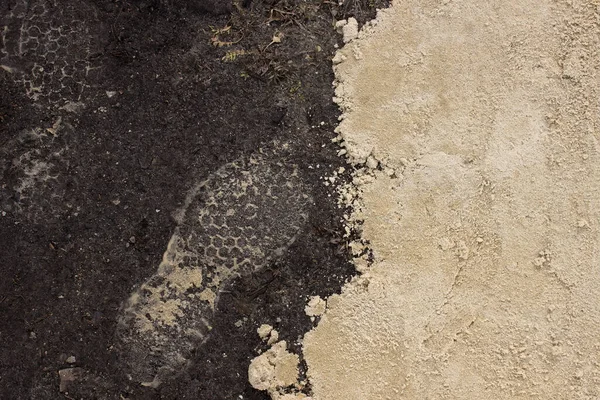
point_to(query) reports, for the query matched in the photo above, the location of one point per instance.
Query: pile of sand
(486, 231)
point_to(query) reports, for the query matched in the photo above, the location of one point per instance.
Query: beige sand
(486, 283)
(274, 369)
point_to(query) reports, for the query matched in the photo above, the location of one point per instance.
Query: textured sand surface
(486, 239)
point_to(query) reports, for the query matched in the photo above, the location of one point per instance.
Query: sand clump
(485, 237)
(348, 28)
(315, 307)
(274, 368)
(264, 331)
(275, 371)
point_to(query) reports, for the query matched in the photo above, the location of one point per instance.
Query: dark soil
(172, 89)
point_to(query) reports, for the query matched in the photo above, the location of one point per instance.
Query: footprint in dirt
(237, 221)
(234, 223)
(47, 46)
(47, 50)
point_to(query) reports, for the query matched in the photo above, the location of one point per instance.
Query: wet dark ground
(134, 102)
